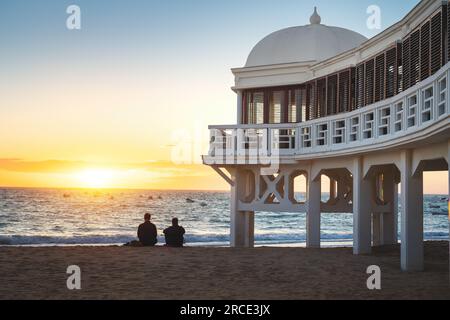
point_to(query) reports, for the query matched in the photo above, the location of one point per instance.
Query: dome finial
(315, 18)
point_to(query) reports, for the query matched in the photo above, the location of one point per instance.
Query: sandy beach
(218, 273)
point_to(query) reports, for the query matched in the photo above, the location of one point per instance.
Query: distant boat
(444, 199)
(189, 200)
(204, 204)
(439, 213)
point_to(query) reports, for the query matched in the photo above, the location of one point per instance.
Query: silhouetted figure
(174, 234)
(147, 233)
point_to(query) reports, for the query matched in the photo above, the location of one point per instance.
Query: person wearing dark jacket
(147, 233)
(174, 235)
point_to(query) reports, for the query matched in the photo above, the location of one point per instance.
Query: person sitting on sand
(174, 235)
(147, 233)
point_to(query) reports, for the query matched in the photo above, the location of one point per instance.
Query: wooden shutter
(436, 43)
(379, 77)
(448, 33)
(406, 57)
(425, 51)
(391, 72)
(310, 100)
(344, 91)
(399, 86)
(332, 87)
(414, 71)
(444, 33)
(352, 98)
(369, 81)
(321, 90)
(360, 101)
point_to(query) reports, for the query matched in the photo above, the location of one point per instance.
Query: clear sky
(110, 99)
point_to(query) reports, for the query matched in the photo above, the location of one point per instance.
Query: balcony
(419, 112)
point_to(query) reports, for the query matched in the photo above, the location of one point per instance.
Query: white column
(384, 228)
(362, 215)
(377, 229)
(411, 216)
(240, 119)
(389, 220)
(313, 213)
(448, 162)
(242, 229)
(242, 223)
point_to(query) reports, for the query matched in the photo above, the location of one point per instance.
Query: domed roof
(313, 42)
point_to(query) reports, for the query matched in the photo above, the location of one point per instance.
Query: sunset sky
(104, 106)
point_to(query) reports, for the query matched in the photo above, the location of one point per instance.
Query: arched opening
(326, 188)
(299, 187)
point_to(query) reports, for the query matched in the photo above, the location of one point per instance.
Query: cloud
(163, 168)
(47, 166)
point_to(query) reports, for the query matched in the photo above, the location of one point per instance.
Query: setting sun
(96, 178)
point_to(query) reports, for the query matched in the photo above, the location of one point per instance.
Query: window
(255, 107)
(442, 87)
(296, 105)
(276, 107)
(412, 111)
(427, 104)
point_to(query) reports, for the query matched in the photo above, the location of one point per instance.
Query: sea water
(104, 217)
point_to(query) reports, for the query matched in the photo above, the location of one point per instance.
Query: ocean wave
(190, 239)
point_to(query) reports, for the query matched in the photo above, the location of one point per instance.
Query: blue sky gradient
(138, 70)
(166, 32)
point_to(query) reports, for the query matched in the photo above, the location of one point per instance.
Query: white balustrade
(413, 110)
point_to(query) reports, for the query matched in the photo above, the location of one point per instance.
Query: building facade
(370, 115)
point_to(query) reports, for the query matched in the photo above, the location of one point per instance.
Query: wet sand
(218, 273)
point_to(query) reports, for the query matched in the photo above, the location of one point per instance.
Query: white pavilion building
(316, 101)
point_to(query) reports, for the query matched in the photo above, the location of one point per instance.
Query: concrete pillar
(240, 119)
(313, 213)
(242, 223)
(448, 162)
(389, 220)
(362, 215)
(376, 229)
(384, 230)
(412, 255)
(384, 224)
(333, 184)
(243, 226)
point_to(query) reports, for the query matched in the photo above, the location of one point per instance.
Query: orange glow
(96, 178)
